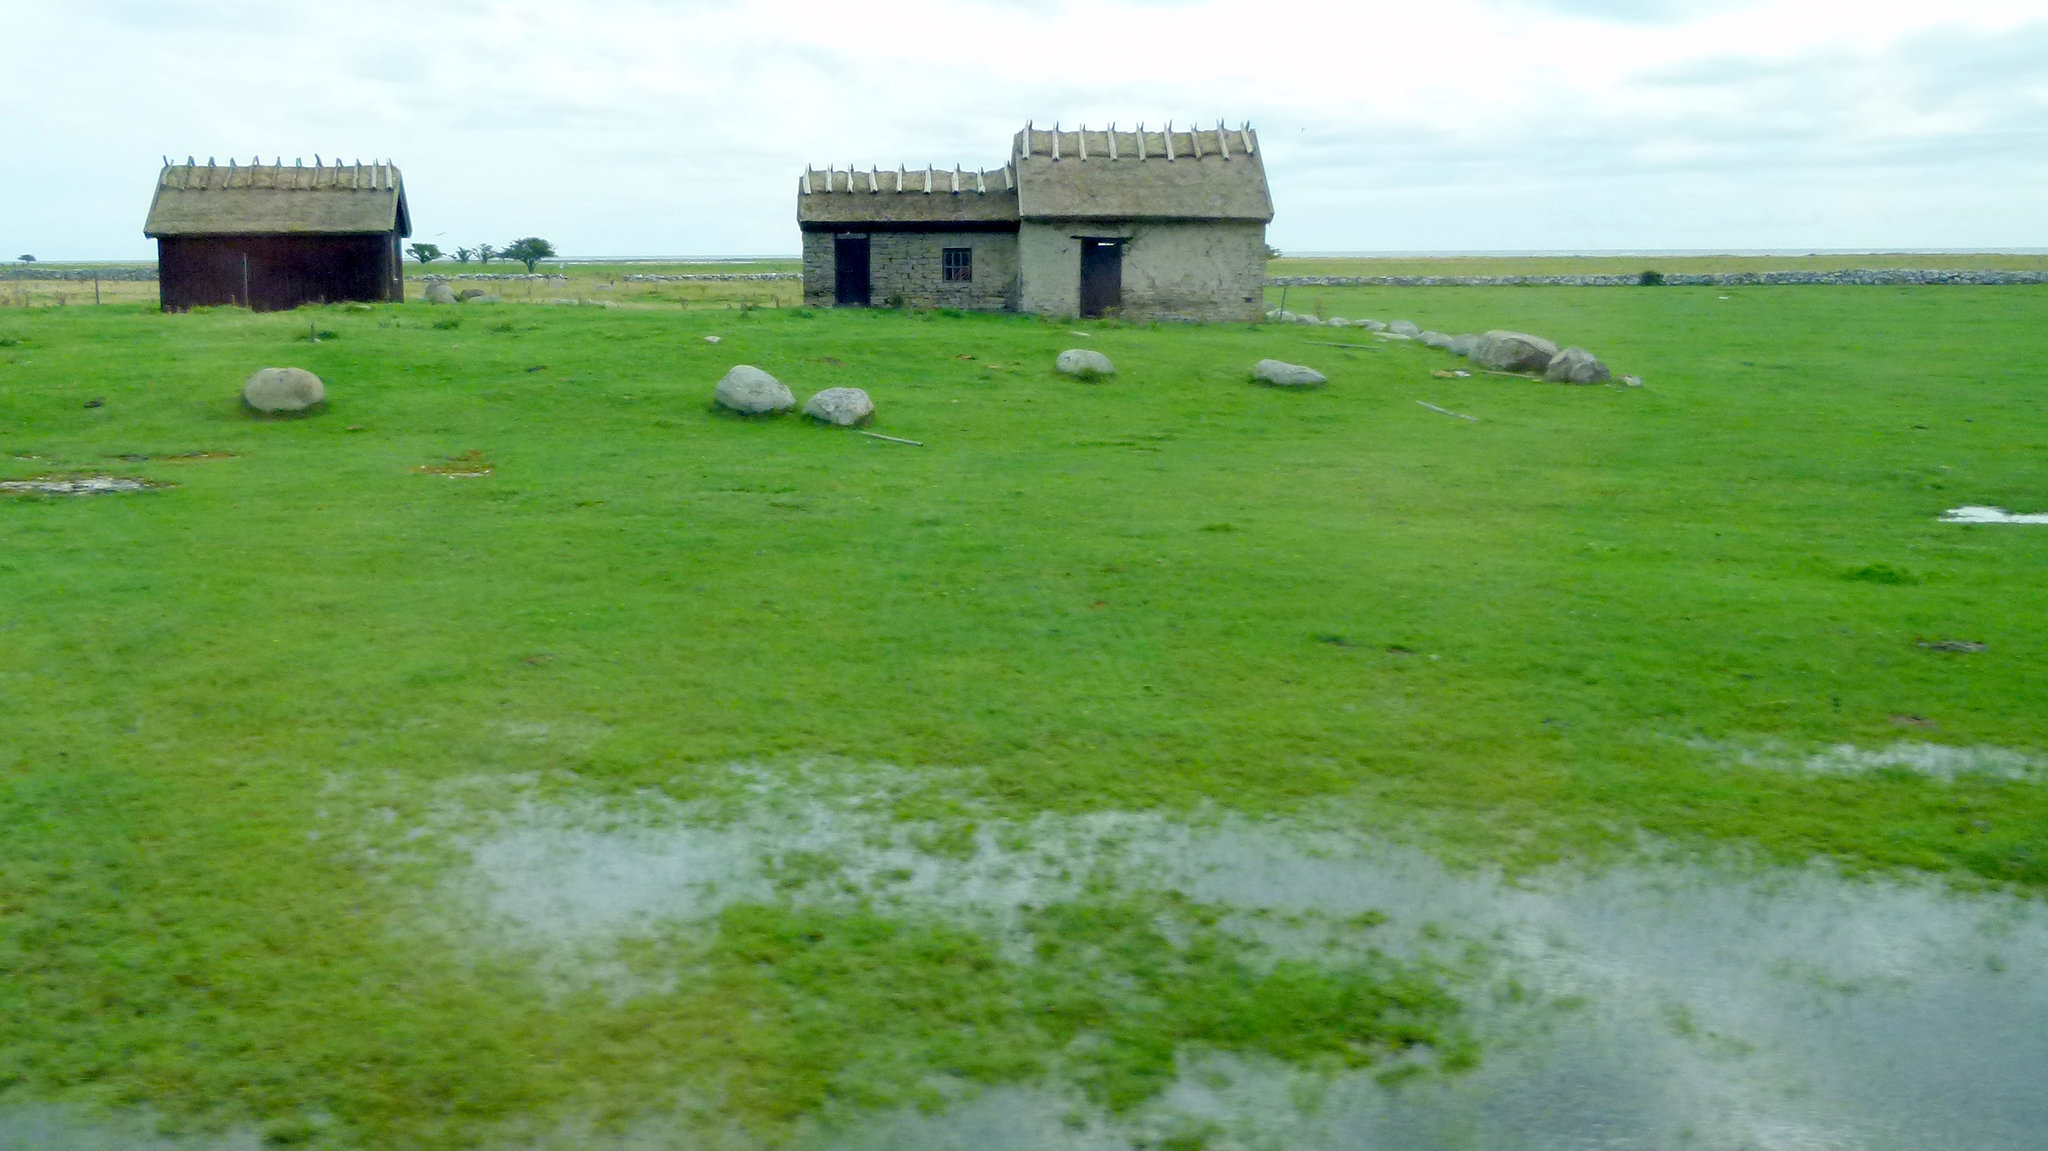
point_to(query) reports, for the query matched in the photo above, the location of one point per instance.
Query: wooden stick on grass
(1447, 411)
(891, 439)
(1356, 347)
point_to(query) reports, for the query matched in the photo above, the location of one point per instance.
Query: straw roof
(1204, 174)
(274, 199)
(934, 196)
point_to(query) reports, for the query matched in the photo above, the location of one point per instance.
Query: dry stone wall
(1876, 277)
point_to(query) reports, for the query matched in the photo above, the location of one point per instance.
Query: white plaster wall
(1206, 272)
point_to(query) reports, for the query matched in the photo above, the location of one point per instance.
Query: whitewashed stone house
(1146, 225)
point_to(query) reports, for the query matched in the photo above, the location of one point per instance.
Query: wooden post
(95, 287)
(245, 282)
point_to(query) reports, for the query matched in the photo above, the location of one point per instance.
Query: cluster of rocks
(749, 391)
(442, 292)
(1871, 277)
(1089, 364)
(127, 274)
(1498, 350)
(723, 277)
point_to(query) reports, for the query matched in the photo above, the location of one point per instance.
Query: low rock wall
(136, 274)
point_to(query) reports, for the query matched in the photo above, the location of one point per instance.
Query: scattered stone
(1631, 381)
(1285, 375)
(468, 294)
(1462, 345)
(95, 403)
(1961, 645)
(487, 298)
(1435, 339)
(750, 391)
(1407, 328)
(841, 407)
(1085, 363)
(1513, 351)
(438, 292)
(1338, 322)
(1370, 325)
(280, 390)
(711, 339)
(1575, 366)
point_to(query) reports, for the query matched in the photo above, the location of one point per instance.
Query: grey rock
(1575, 366)
(750, 391)
(1085, 363)
(1281, 374)
(1513, 352)
(1435, 339)
(468, 294)
(283, 390)
(488, 298)
(1462, 345)
(844, 407)
(1631, 381)
(438, 292)
(1407, 328)
(1372, 325)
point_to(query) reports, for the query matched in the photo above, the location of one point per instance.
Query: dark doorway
(1102, 276)
(850, 281)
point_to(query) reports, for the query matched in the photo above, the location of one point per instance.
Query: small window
(958, 264)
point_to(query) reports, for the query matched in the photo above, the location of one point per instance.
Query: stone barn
(1147, 225)
(271, 237)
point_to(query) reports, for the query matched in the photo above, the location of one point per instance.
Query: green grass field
(1592, 621)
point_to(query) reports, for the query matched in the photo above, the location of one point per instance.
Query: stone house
(271, 237)
(1147, 225)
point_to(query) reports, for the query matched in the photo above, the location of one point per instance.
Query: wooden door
(850, 277)
(1102, 276)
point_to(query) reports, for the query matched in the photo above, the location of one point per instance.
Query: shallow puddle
(1978, 514)
(1651, 1006)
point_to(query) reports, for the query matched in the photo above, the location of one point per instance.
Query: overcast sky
(678, 127)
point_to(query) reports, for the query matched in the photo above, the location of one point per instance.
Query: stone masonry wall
(906, 269)
(1202, 272)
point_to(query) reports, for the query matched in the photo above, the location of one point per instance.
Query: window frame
(956, 271)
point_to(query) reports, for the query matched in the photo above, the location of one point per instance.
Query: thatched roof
(935, 196)
(1208, 174)
(272, 199)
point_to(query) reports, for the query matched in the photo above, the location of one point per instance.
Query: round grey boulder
(1408, 328)
(1513, 352)
(279, 390)
(1085, 363)
(1370, 325)
(1462, 345)
(1281, 374)
(752, 392)
(841, 407)
(438, 292)
(1435, 339)
(1575, 366)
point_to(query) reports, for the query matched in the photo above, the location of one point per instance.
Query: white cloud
(648, 127)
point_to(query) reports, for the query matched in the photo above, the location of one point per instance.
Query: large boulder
(1513, 352)
(1281, 374)
(283, 390)
(1462, 345)
(1576, 366)
(1435, 339)
(752, 392)
(1086, 363)
(438, 292)
(843, 407)
(1370, 325)
(1408, 328)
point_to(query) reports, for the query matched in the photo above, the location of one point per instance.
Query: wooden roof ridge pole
(874, 178)
(1025, 136)
(1081, 141)
(927, 179)
(1112, 139)
(956, 179)
(1168, 133)
(1222, 141)
(1141, 141)
(1055, 139)
(1195, 142)
(1245, 137)
(1009, 176)
(902, 178)
(980, 182)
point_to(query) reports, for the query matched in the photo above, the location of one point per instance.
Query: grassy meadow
(1587, 623)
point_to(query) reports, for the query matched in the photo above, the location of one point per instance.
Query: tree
(484, 252)
(24, 257)
(424, 253)
(530, 250)
(462, 255)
